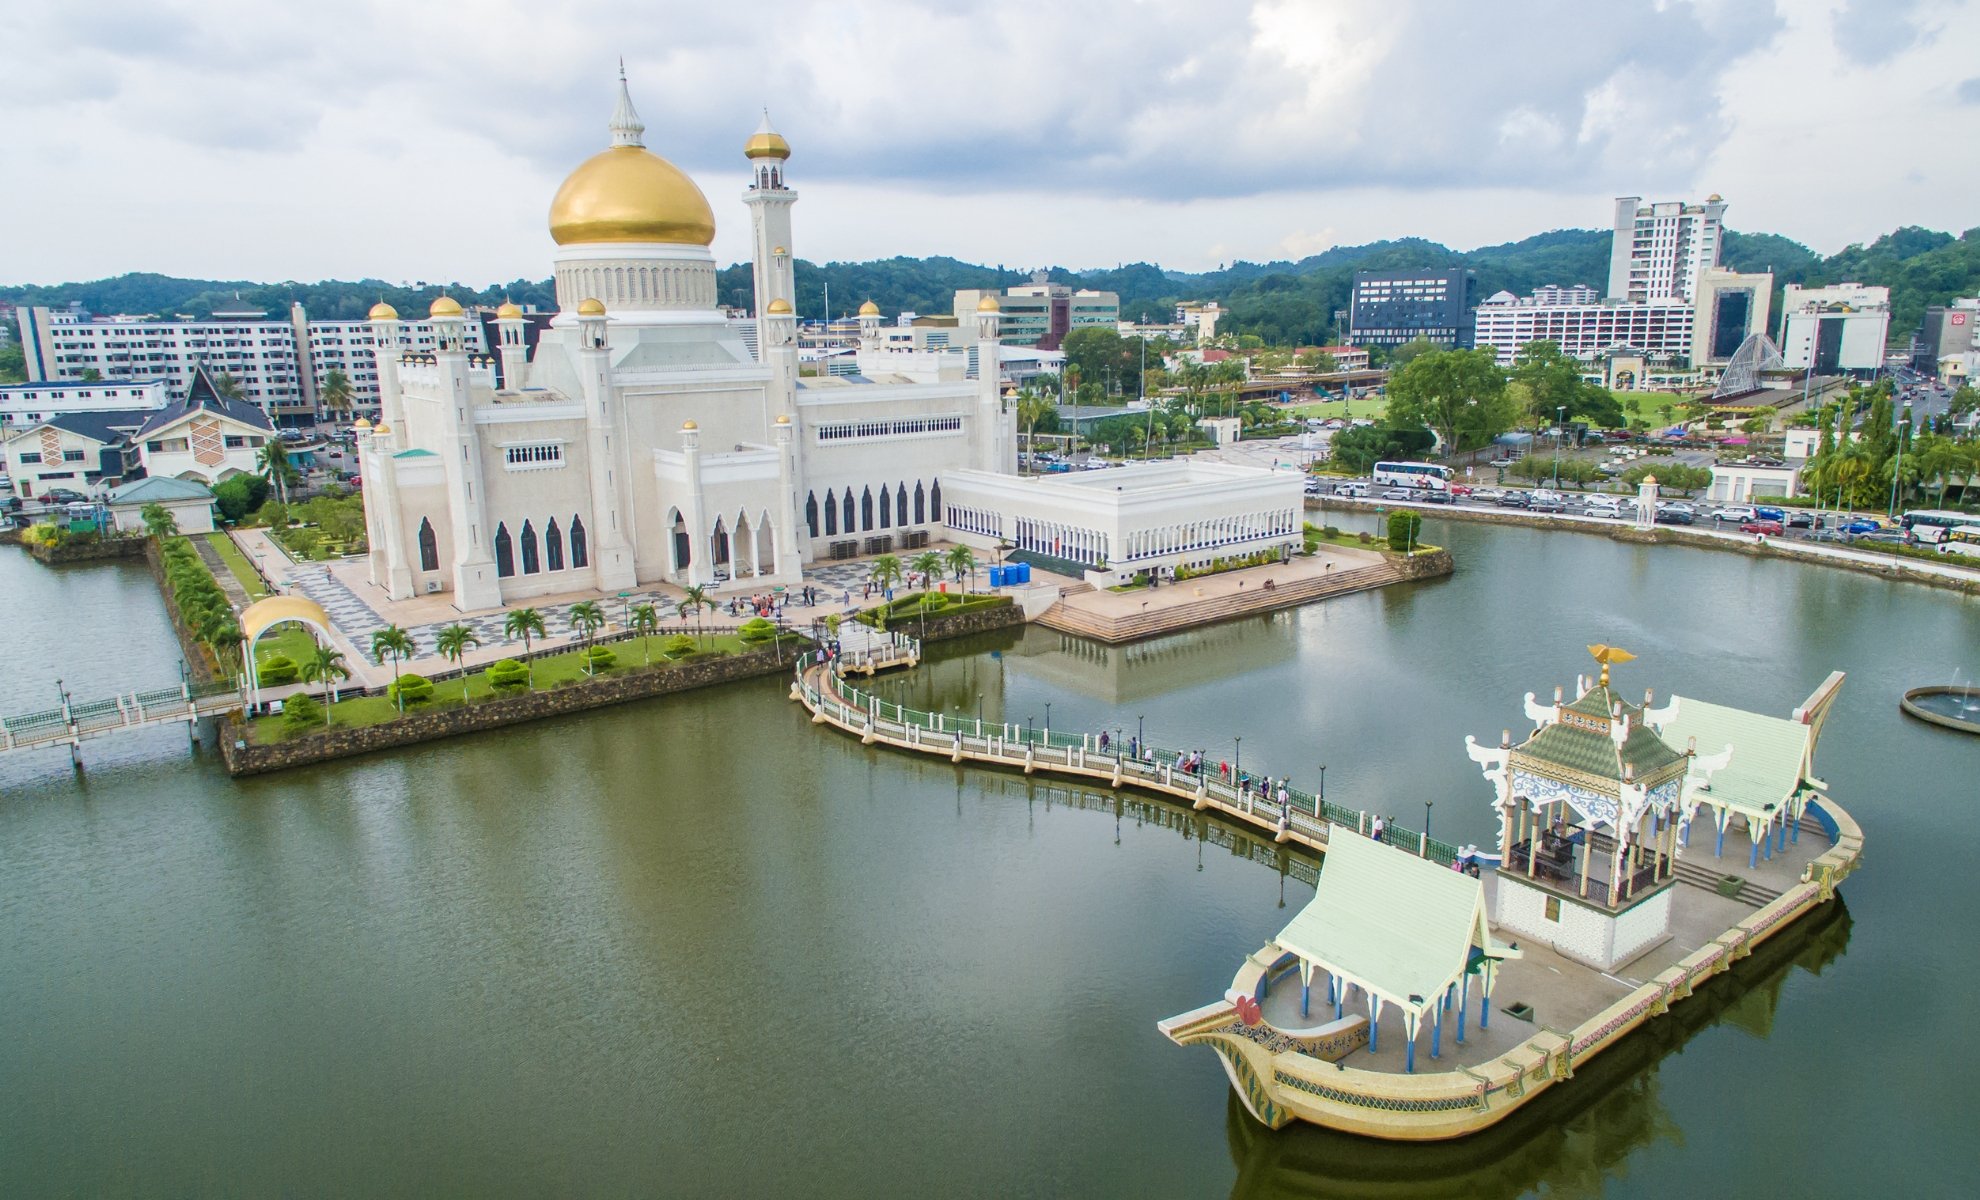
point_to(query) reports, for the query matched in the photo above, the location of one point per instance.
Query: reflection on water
(1571, 1139)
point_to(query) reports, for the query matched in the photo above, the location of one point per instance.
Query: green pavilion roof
(1769, 754)
(1396, 924)
(1580, 743)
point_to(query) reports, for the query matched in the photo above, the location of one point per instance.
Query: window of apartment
(236, 443)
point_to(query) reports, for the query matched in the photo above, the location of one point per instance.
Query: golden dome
(783, 418)
(363, 423)
(382, 311)
(869, 309)
(780, 307)
(630, 194)
(510, 311)
(591, 308)
(989, 305)
(689, 427)
(779, 251)
(1650, 479)
(444, 306)
(766, 145)
(381, 428)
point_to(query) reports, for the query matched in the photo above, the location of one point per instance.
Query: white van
(1356, 491)
(1604, 506)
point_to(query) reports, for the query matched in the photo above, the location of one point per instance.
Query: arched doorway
(683, 543)
(745, 554)
(263, 615)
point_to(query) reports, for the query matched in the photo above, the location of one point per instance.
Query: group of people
(766, 605)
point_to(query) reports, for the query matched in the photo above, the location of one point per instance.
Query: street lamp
(1426, 822)
(1027, 727)
(1237, 758)
(1323, 782)
(1048, 720)
(1560, 429)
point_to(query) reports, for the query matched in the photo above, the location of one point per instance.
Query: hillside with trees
(1284, 303)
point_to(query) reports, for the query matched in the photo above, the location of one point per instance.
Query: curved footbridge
(1554, 1015)
(1303, 821)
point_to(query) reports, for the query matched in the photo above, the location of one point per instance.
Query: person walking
(1104, 743)
(1377, 829)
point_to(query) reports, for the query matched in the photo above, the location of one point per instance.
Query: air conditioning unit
(432, 586)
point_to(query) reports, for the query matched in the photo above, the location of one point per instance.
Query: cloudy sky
(411, 140)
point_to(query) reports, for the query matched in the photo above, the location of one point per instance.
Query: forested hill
(1284, 302)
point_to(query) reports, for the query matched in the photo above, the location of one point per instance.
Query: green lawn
(1360, 408)
(238, 563)
(549, 671)
(1658, 408)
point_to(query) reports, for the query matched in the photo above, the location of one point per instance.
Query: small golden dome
(783, 418)
(382, 311)
(381, 428)
(445, 306)
(589, 307)
(510, 311)
(1714, 198)
(779, 251)
(689, 427)
(363, 423)
(869, 309)
(630, 194)
(1650, 479)
(989, 305)
(780, 307)
(766, 145)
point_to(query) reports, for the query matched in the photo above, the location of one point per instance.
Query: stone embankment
(1884, 566)
(93, 551)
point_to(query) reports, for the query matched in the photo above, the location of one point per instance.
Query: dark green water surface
(697, 946)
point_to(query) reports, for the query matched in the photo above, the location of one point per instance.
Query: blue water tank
(1023, 573)
(996, 577)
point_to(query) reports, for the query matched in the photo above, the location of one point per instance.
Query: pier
(76, 721)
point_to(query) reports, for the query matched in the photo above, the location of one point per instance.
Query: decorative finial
(626, 126)
(1607, 655)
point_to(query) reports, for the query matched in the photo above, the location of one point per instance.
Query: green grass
(550, 671)
(1361, 407)
(1659, 408)
(238, 563)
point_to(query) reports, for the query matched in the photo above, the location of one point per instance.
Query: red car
(1459, 489)
(1772, 527)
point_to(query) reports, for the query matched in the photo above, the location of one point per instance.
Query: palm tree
(524, 623)
(1031, 409)
(158, 522)
(693, 599)
(929, 564)
(585, 619)
(961, 559)
(645, 620)
(326, 666)
(276, 467)
(886, 571)
(454, 642)
(336, 392)
(398, 643)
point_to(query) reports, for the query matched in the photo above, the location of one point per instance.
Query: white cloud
(217, 138)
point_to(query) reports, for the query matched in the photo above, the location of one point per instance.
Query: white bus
(1963, 540)
(1413, 475)
(1931, 525)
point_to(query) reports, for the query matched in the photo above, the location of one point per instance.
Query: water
(698, 946)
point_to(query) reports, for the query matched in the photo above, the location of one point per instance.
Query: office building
(1584, 330)
(1839, 329)
(1659, 250)
(1728, 308)
(1041, 313)
(28, 402)
(1945, 336)
(1391, 308)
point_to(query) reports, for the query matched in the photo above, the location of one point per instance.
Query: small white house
(72, 451)
(204, 438)
(191, 504)
(1224, 431)
(1745, 482)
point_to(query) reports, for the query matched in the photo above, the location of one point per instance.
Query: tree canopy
(1458, 394)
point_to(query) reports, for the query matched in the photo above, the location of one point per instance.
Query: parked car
(1735, 512)
(1863, 525)
(1803, 520)
(1551, 504)
(63, 496)
(1603, 507)
(1058, 468)
(1438, 498)
(1352, 490)
(1397, 494)
(1514, 500)
(1459, 489)
(1675, 516)
(1771, 528)
(1768, 513)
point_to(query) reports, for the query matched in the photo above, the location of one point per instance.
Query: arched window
(578, 557)
(866, 510)
(935, 499)
(900, 504)
(811, 512)
(505, 555)
(920, 503)
(831, 515)
(720, 544)
(683, 544)
(429, 547)
(553, 547)
(886, 508)
(530, 564)
(846, 512)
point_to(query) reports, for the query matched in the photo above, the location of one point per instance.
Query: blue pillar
(1753, 858)
(1686, 839)
(1409, 1055)
(1305, 993)
(1484, 1005)
(1374, 1020)
(1794, 832)
(1781, 838)
(1437, 1031)
(1464, 998)
(1719, 848)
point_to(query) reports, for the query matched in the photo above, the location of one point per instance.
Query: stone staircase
(1701, 873)
(1067, 618)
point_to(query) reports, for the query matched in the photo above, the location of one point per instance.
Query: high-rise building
(1837, 329)
(1660, 250)
(1585, 330)
(1390, 308)
(1947, 332)
(1729, 307)
(1041, 313)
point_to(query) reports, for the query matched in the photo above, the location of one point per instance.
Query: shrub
(1366, 537)
(1405, 529)
(1332, 531)
(278, 669)
(409, 689)
(678, 646)
(506, 675)
(600, 658)
(756, 630)
(300, 712)
(240, 495)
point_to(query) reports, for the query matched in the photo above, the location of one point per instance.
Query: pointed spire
(626, 126)
(765, 127)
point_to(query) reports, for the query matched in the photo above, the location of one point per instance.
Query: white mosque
(641, 441)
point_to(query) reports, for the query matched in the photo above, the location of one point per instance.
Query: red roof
(1211, 356)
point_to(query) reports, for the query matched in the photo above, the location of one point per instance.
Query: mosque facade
(641, 440)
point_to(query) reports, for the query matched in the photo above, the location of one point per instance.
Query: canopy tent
(1748, 765)
(1403, 929)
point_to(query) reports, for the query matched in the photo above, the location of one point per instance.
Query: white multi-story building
(1835, 329)
(1660, 249)
(1660, 329)
(22, 403)
(1041, 313)
(280, 365)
